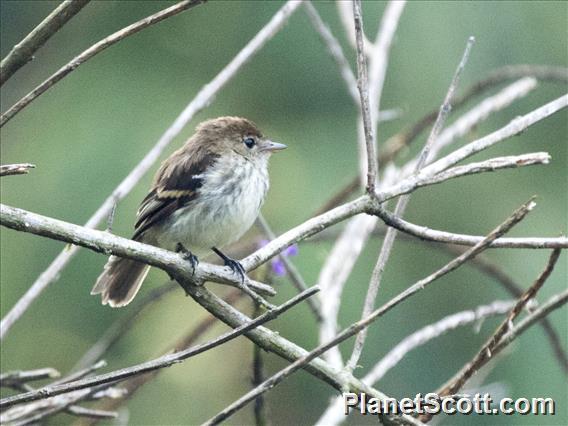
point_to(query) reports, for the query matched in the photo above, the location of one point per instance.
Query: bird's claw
(187, 255)
(237, 268)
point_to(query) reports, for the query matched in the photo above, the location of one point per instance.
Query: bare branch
(363, 86)
(293, 273)
(93, 50)
(428, 234)
(487, 351)
(23, 52)
(491, 165)
(16, 169)
(379, 55)
(541, 72)
(133, 384)
(14, 378)
(201, 100)
(345, 12)
(334, 414)
(388, 242)
(534, 317)
(103, 242)
(401, 140)
(515, 127)
(334, 274)
(355, 328)
(273, 342)
(486, 242)
(334, 49)
(121, 326)
(161, 362)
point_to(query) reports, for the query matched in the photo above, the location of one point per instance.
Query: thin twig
(355, 328)
(491, 165)
(260, 416)
(292, 272)
(363, 86)
(400, 208)
(487, 351)
(485, 243)
(121, 326)
(161, 362)
(15, 169)
(201, 100)
(428, 234)
(23, 52)
(379, 55)
(493, 270)
(514, 128)
(334, 274)
(93, 50)
(531, 319)
(133, 384)
(16, 378)
(335, 412)
(335, 51)
(395, 144)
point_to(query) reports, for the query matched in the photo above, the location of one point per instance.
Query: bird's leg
(238, 269)
(233, 264)
(187, 255)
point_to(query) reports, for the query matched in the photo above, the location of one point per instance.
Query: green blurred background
(92, 128)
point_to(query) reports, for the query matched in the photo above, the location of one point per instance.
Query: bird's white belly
(226, 207)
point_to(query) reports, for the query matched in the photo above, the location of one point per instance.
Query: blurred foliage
(93, 127)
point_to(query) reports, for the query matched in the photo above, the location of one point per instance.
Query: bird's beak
(272, 146)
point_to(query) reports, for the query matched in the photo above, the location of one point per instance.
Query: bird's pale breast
(227, 205)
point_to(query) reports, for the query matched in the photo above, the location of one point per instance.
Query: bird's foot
(233, 264)
(238, 269)
(187, 255)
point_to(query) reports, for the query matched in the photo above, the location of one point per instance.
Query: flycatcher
(205, 195)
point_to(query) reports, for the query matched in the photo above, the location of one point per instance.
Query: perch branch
(103, 242)
(201, 100)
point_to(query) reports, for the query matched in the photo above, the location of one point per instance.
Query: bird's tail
(120, 281)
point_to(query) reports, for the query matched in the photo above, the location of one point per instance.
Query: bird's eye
(249, 142)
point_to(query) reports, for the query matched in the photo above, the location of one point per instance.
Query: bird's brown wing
(175, 184)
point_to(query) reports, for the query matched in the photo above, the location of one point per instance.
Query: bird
(207, 194)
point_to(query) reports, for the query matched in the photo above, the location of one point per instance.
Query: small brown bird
(206, 194)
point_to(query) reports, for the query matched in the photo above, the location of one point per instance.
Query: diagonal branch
(92, 51)
(103, 242)
(201, 100)
(388, 243)
(335, 412)
(23, 52)
(395, 144)
(161, 362)
(487, 351)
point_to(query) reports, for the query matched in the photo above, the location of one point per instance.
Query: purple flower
(277, 265)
